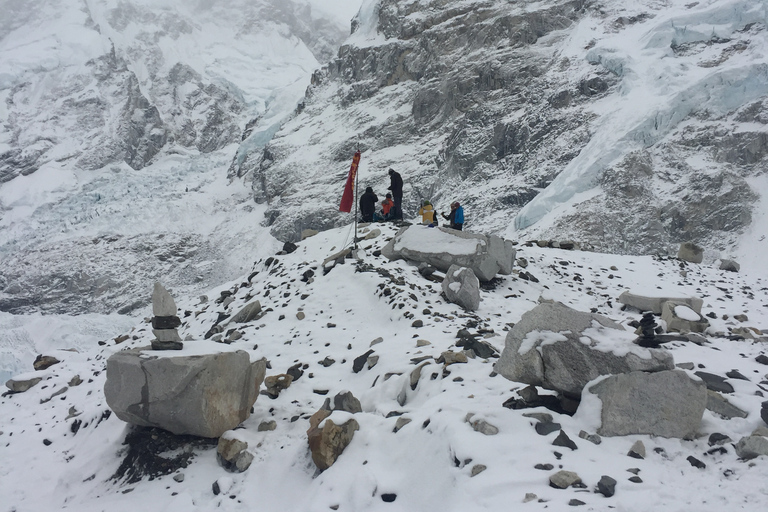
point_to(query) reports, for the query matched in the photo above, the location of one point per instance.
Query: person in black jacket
(396, 186)
(368, 204)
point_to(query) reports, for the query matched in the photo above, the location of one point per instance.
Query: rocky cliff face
(118, 120)
(630, 127)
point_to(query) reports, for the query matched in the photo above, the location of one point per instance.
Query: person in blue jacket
(456, 217)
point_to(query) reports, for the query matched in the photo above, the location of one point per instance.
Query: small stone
(606, 486)
(300, 315)
(266, 426)
(424, 343)
(717, 439)
(75, 381)
(448, 357)
(696, 462)
(564, 479)
(575, 503)
(44, 362)
(484, 427)
(376, 341)
(529, 496)
(372, 360)
(544, 467)
(417, 323)
(179, 477)
(637, 451)
(167, 345)
(592, 438)
(388, 497)
(635, 479)
(400, 423)
(563, 440)
(360, 361)
(546, 428)
(477, 469)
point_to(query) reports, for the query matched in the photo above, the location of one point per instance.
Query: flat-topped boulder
(563, 349)
(666, 404)
(443, 247)
(202, 392)
(655, 302)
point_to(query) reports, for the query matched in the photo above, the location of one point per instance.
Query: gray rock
(564, 479)
(683, 324)
(232, 455)
(249, 312)
(328, 443)
(462, 287)
(654, 304)
(606, 486)
(544, 428)
(563, 440)
(22, 385)
(666, 404)
(592, 438)
(484, 427)
(201, 395)
(306, 233)
(750, 447)
(162, 302)
(486, 256)
(168, 345)
(637, 451)
(718, 404)
(729, 265)
(690, 252)
(565, 363)
(400, 423)
(477, 469)
(166, 334)
(346, 401)
(267, 426)
(449, 357)
(274, 384)
(178, 477)
(715, 382)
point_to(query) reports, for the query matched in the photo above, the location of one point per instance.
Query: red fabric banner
(348, 199)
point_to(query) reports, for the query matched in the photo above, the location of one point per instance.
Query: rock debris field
(373, 347)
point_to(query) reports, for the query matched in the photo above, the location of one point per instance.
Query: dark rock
(635, 479)
(361, 361)
(44, 362)
(563, 440)
(544, 467)
(388, 497)
(718, 439)
(696, 462)
(575, 503)
(715, 382)
(326, 362)
(417, 323)
(347, 402)
(289, 247)
(606, 486)
(762, 359)
(736, 374)
(165, 322)
(547, 428)
(295, 371)
(167, 345)
(764, 412)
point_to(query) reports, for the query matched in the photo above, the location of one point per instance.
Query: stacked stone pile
(165, 321)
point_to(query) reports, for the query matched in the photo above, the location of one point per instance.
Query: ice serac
(201, 395)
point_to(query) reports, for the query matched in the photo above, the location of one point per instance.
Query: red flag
(347, 200)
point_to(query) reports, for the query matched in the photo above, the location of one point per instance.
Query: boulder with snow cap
(665, 404)
(201, 395)
(681, 318)
(443, 247)
(462, 287)
(328, 440)
(655, 303)
(563, 349)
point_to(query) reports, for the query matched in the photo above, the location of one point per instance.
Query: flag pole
(357, 175)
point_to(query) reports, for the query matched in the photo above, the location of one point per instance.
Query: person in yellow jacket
(427, 212)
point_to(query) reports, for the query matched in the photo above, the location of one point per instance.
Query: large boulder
(559, 348)
(201, 395)
(681, 318)
(328, 440)
(666, 404)
(443, 247)
(655, 303)
(690, 252)
(462, 287)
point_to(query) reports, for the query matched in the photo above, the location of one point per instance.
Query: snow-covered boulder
(563, 349)
(462, 287)
(655, 302)
(666, 404)
(681, 318)
(198, 394)
(443, 247)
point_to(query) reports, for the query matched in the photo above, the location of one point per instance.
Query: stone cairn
(165, 321)
(648, 337)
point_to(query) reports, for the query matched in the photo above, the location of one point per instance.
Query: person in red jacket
(386, 207)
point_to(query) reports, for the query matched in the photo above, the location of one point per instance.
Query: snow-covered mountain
(118, 122)
(627, 126)
(62, 449)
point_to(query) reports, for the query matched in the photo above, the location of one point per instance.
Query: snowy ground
(428, 463)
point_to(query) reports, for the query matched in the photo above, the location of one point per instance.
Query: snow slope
(48, 464)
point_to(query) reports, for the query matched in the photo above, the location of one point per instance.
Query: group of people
(391, 206)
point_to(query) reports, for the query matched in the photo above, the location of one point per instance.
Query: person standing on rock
(368, 204)
(396, 186)
(456, 217)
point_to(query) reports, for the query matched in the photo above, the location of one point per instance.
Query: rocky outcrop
(562, 349)
(462, 287)
(666, 404)
(201, 395)
(443, 247)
